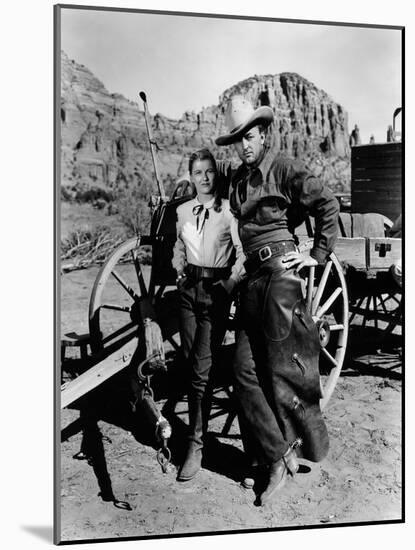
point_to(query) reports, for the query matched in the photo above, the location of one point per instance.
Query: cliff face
(307, 119)
(104, 142)
(101, 133)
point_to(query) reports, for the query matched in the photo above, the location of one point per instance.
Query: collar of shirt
(201, 211)
(205, 205)
(263, 165)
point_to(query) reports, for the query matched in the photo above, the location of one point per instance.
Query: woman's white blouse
(207, 240)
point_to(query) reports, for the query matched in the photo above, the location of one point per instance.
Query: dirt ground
(122, 491)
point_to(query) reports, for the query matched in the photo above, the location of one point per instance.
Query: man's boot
(193, 460)
(287, 464)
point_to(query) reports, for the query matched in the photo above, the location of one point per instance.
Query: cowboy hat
(240, 117)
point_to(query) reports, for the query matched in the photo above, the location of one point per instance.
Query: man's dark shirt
(274, 197)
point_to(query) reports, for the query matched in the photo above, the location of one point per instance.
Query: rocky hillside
(105, 147)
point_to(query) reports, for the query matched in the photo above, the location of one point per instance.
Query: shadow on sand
(115, 402)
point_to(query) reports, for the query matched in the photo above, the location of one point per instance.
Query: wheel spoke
(160, 291)
(310, 287)
(383, 304)
(321, 286)
(174, 344)
(119, 332)
(369, 311)
(327, 304)
(125, 286)
(329, 357)
(396, 320)
(392, 297)
(114, 307)
(356, 309)
(375, 310)
(366, 312)
(334, 328)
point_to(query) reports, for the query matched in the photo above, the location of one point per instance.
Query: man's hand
(298, 260)
(228, 284)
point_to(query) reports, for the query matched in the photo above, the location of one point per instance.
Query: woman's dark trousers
(204, 310)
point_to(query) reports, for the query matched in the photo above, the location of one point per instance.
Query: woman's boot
(193, 458)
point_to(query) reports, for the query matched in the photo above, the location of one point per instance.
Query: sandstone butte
(104, 142)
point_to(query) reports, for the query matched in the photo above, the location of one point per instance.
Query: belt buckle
(264, 253)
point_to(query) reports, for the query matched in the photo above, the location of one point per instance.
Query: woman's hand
(181, 281)
(298, 260)
(228, 284)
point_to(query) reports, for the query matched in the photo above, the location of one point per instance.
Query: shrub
(86, 247)
(93, 194)
(133, 210)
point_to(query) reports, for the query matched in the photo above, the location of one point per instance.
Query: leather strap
(199, 272)
(273, 250)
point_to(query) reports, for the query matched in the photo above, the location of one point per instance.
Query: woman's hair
(205, 154)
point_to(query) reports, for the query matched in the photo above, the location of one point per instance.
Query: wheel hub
(135, 313)
(323, 328)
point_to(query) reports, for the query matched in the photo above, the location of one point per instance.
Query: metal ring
(147, 391)
(163, 458)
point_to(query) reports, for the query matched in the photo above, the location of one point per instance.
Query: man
(277, 347)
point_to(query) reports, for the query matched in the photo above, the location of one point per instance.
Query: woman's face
(203, 176)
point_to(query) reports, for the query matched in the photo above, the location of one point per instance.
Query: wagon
(133, 309)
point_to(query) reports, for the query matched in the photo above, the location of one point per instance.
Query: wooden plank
(377, 175)
(381, 160)
(388, 188)
(345, 224)
(394, 161)
(380, 193)
(351, 251)
(379, 197)
(73, 340)
(385, 154)
(73, 390)
(370, 194)
(301, 230)
(381, 148)
(394, 156)
(379, 254)
(385, 163)
(372, 201)
(376, 150)
(393, 187)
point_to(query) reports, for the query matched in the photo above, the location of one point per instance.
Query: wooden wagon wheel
(326, 298)
(378, 308)
(114, 315)
(122, 288)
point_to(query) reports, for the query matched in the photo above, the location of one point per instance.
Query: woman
(207, 237)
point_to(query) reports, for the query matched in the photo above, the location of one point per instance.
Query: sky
(186, 62)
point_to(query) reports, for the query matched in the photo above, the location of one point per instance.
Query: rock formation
(105, 148)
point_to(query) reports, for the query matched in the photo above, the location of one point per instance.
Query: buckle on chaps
(264, 253)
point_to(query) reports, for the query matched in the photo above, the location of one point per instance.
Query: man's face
(249, 147)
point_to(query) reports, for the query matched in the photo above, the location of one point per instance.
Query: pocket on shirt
(270, 209)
